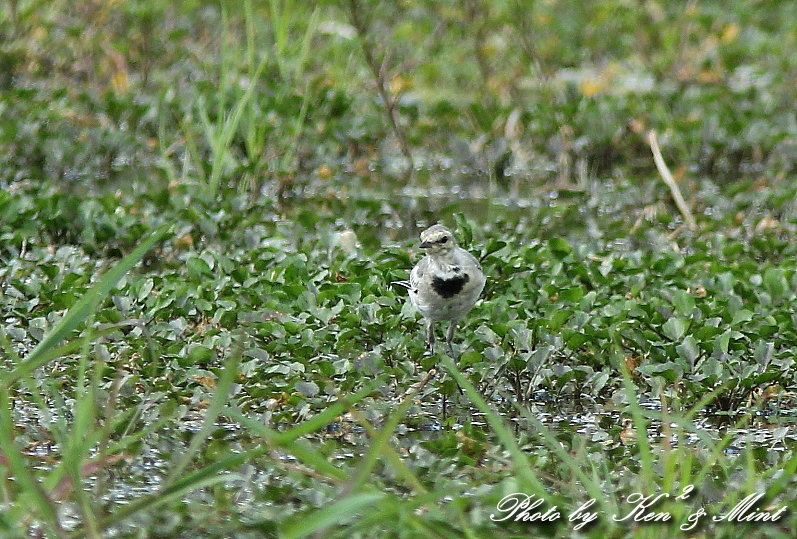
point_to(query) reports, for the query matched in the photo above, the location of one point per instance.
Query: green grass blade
(306, 455)
(591, 486)
(212, 413)
(81, 310)
(501, 430)
(32, 491)
(28, 366)
(330, 515)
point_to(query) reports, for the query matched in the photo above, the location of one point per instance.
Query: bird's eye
(444, 240)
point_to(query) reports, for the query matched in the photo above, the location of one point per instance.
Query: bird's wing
(471, 266)
(417, 272)
(466, 260)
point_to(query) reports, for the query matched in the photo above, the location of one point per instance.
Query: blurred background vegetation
(292, 97)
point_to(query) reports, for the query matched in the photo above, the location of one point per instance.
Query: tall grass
(248, 85)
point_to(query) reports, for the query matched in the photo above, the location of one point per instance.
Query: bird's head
(437, 239)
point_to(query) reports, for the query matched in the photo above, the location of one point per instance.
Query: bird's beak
(425, 245)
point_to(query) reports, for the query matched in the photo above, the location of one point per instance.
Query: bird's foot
(451, 351)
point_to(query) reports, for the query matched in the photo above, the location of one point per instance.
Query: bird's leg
(450, 337)
(429, 337)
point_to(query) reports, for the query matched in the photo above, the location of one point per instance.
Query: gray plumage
(445, 284)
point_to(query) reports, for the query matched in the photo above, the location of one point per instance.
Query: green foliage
(252, 368)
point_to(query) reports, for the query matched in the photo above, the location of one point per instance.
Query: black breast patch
(449, 287)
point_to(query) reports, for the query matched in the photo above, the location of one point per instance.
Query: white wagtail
(445, 284)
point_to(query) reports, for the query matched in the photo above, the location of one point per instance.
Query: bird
(445, 284)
